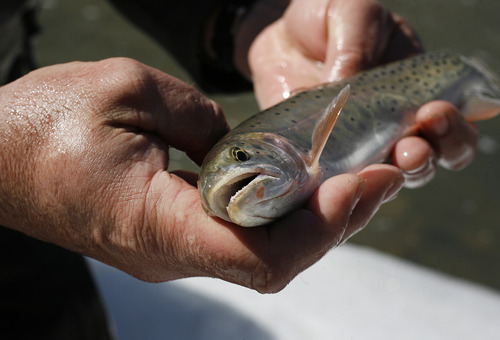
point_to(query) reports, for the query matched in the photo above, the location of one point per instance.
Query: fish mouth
(230, 190)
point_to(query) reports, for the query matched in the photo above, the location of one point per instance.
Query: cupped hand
(84, 160)
(319, 41)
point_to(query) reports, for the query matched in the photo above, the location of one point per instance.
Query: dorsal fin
(324, 125)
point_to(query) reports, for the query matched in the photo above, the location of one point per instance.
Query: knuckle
(269, 278)
(123, 76)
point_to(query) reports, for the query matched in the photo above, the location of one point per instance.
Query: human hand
(326, 40)
(84, 159)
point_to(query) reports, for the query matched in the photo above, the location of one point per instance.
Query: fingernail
(422, 175)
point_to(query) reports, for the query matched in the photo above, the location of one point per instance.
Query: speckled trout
(270, 164)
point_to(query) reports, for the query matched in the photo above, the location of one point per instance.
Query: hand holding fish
(319, 41)
(84, 160)
(84, 165)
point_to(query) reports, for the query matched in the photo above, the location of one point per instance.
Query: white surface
(353, 293)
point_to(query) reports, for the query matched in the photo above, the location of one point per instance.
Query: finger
(300, 239)
(415, 156)
(358, 32)
(453, 139)
(383, 182)
(334, 201)
(153, 101)
(278, 66)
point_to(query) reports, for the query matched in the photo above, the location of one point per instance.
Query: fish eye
(239, 154)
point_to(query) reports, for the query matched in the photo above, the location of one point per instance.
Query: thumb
(357, 35)
(156, 102)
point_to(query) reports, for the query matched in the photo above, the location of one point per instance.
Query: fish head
(254, 178)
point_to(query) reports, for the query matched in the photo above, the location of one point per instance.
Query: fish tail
(484, 101)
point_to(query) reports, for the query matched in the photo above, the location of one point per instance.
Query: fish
(270, 164)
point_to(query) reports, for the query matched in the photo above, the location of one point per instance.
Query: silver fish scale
(378, 112)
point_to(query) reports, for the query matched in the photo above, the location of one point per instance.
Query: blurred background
(452, 225)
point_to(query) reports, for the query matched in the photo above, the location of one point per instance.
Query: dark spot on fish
(383, 87)
(293, 101)
(294, 121)
(277, 113)
(287, 110)
(317, 96)
(379, 102)
(393, 109)
(258, 123)
(353, 119)
(393, 87)
(252, 126)
(258, 147)
(368, 106)
(375, 88)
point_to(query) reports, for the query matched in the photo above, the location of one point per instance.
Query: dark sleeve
(197, 33)
(17, 26)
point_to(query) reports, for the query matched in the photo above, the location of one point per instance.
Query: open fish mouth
(229, 191)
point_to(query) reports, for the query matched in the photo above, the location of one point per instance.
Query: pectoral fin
(324, 125)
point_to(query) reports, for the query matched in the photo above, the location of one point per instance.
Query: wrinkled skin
(84, 160)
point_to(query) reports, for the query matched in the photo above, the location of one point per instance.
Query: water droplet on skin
(285, 88)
